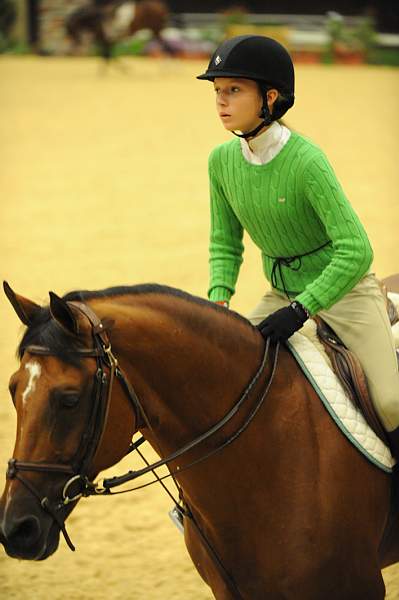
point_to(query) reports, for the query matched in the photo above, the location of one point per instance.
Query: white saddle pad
(310, 355)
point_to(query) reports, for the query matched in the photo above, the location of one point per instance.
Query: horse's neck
(187, 362)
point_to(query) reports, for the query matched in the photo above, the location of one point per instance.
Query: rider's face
(239, 103)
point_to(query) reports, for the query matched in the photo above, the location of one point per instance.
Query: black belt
(288, 261)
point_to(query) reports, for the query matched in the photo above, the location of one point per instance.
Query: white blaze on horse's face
(34, 373)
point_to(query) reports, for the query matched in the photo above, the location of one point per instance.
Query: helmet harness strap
(264, 114)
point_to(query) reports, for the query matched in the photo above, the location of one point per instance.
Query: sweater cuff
(309, 302)
(219, 294)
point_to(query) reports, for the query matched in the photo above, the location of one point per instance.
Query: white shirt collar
(263, 148)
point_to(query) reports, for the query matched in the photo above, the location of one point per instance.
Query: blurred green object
(366, 34)
(336, 27)
(213, 34)
(16, 48)
(349, 44)
(384, 56)
(237, 15)
(8, 14)
(131, 47)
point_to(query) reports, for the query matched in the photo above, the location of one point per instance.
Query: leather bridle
(95, 427)
(79, 484)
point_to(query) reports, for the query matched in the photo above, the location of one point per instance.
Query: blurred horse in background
(110, 22)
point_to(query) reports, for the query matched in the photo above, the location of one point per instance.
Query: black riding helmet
(259, 58)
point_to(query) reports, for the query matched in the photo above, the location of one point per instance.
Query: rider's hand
(281, 324)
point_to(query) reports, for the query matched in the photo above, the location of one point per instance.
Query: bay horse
(116, 20)
(277, 503)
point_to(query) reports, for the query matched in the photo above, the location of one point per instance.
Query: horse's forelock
(45, 331)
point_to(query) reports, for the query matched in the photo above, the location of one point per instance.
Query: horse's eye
(69, 399)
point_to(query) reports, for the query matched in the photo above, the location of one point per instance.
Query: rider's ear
(25, 309)
(64, 314)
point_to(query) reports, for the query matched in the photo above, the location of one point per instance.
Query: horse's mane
(45, 331)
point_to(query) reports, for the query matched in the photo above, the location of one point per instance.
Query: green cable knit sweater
(290, 206)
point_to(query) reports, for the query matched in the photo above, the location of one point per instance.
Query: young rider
(279, 187)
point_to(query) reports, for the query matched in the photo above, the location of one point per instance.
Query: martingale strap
(107, 484)
(115, 481)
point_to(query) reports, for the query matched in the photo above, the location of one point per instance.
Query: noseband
(79, 484)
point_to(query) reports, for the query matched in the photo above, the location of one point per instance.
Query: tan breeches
(360, 319)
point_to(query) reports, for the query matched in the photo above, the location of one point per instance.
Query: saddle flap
(349, 371)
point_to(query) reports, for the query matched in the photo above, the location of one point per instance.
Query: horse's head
(61, 392)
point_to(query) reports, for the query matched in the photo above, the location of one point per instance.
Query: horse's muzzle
(23, 537)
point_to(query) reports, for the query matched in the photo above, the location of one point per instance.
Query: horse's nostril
(24, 532)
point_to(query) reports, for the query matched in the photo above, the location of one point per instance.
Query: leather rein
(79, 484)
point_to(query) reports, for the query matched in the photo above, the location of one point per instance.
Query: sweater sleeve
(226, 247)
(352, 253)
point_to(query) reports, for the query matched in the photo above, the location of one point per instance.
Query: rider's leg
(360, 320)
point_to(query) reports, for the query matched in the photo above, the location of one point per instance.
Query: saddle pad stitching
(386, 461)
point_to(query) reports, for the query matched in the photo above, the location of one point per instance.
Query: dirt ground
(103, 182)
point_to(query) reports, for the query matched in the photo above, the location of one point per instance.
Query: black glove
(281, 324)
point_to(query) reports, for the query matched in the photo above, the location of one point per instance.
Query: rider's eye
(69, 399)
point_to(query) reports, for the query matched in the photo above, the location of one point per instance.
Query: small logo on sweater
(218, 60)
(281, 200)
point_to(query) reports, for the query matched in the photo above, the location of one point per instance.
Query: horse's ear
(64, 314)
(25, 309)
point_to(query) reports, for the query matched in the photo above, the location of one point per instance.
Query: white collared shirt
(263, 148)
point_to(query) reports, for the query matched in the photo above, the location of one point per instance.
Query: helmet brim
(211, 75)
